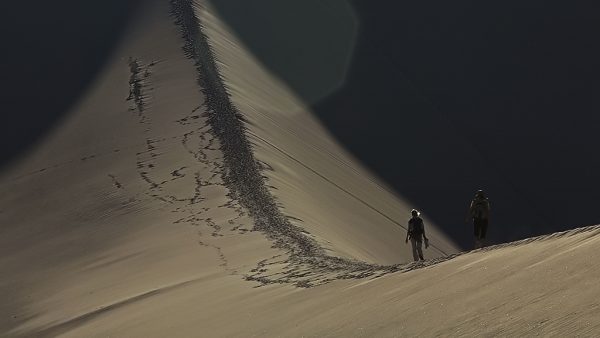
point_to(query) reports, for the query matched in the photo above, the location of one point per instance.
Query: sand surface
(152, 210)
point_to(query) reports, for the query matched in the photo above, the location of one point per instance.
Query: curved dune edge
(243, 176)
(317, 184)
(126, 196)
(309, 264)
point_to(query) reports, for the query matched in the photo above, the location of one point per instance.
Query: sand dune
(190, 193)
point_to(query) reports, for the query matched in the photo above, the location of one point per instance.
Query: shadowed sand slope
(165, 205)
(51, 54)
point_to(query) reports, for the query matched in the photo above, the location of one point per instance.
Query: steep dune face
(320, 186)
(147, 187)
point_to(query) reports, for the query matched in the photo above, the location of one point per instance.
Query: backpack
(416, 227)
(481, 208)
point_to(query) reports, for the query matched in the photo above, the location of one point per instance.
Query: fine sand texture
(189, 193)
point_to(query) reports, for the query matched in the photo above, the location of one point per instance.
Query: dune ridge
(308, 261)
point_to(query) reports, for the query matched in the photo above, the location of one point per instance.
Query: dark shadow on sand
(442, 98)
(51, 52)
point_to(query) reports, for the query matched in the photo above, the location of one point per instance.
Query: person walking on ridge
(416, 234)
(479, 212)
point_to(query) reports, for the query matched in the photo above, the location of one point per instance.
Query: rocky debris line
(307, 263)
(138, 81)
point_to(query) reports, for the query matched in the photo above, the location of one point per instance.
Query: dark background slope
(442, 98)
(51, 51)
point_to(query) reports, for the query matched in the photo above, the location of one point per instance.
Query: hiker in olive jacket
(416, 234)
(479, 212)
